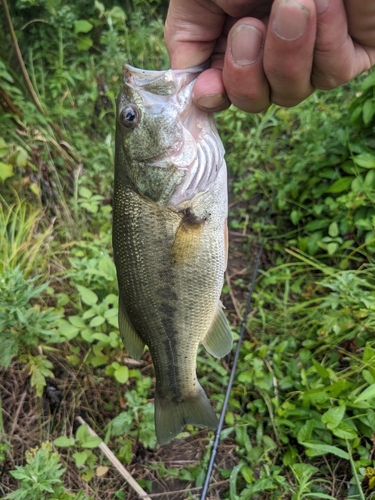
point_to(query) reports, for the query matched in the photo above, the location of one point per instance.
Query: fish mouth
(164, 82)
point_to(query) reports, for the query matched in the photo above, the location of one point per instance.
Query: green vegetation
(301, 421)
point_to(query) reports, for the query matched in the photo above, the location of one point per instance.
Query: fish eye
(130, 116)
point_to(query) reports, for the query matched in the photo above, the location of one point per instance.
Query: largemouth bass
(170, 239)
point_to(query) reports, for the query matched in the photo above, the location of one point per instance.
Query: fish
(170, 239)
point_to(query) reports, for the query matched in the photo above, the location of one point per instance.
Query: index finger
(191, 30)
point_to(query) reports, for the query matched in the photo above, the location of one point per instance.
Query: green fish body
(170, 239)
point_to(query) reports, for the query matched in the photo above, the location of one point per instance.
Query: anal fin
(218, 340)
(134, 345)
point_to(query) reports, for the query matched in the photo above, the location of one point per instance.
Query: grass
(301, 419)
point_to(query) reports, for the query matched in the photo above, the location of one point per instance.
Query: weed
(23, 240)
(24, 326)
(40, 478)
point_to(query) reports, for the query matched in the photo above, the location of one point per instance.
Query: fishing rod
(233, 372)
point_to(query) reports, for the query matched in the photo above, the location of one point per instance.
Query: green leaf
(368, 82)
(85, 193)
(333, 229)
(21, 159)
(102, 337)
(368, 353)
(122, 374)
(82, 432)
(317, 449)
(368, 111)
(245, 377)
(317, 224)
(91, 442)
(332, 247)
(82, 26)
(107, 267)
(290, 456)
(110, 313)
(369, 182)
(368, 393)
(233, 480)
(88, 297)
(80, 458)
(90, 313)
(320, 370)
(305, 432)
(68, 330)
(344, 431)
(365, 160)
(88, 335)
(97, 321)
(84, 43)
(333, 416)
(6, 170)
(113, 321)
(77, 321)
(295, 216)
(340, 185)
(247, 474)
(304, 471)
(100, 7)
(64, 442)
(9, 348)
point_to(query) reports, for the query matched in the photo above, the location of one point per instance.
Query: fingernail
(246, 43)
(211, 101)
(321, 6)
(290, 20)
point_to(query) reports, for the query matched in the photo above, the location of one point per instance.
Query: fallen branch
(234, 300)
(17, 50)
(116, 463)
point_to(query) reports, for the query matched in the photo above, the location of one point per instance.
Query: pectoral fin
(132, 342)
(218, 340)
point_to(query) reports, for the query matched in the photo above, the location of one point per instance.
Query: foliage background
(301, 422)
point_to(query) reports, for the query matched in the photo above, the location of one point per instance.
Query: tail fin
(171, 417)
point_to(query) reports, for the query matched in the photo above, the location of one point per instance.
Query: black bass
(170, 238)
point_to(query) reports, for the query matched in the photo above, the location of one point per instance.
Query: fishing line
(232, 374)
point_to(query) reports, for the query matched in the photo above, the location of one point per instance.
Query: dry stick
(116, 463)
(20, 405)
(28, 82)
(233, 298)
(24, 72)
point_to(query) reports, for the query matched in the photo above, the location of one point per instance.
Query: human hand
(265, 51)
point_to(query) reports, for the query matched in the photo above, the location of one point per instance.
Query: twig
(233, 298)
(245, 225)
(24, 72)
(20, 405)
(7, 103)
(116, 463)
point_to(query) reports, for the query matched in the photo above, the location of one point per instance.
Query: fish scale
(170, 256)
